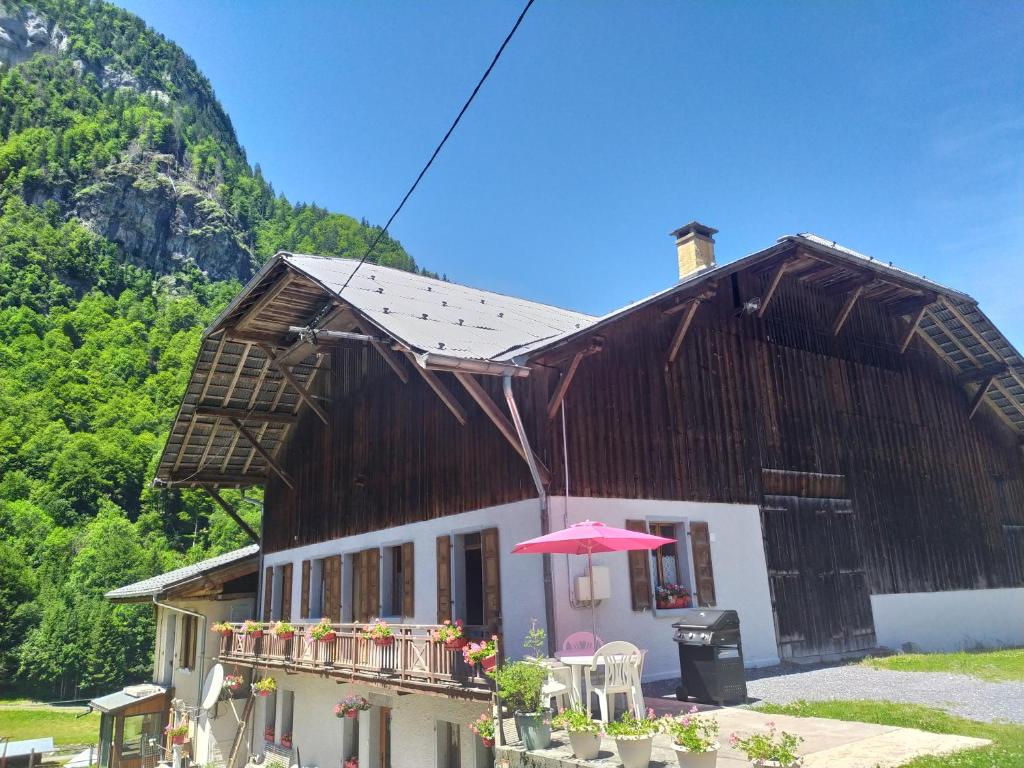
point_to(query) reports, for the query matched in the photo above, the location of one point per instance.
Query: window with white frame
(670, 568)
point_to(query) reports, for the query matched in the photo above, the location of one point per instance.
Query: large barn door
(820, 594)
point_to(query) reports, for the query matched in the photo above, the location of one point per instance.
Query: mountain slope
(129, 214)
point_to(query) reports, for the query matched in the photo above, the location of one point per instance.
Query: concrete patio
(827, 744)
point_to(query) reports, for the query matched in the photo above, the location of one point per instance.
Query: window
(189, 634)
(137, 730)
(287, 718)
(666, 557)
(364, 595)
(473, 579)
(472, 561)
(449, 746)
(270, 718)
(398, 580)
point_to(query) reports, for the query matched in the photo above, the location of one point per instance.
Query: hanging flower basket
(286, 740)
(323, 632)
(484, 653)
(178, 733)
(451, 635)
(253, 628)
(483, 727)
(223, 629)
(283, 630)
(351, 706)
(265, 686)
(379, 632)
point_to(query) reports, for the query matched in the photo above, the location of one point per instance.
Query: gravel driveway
(958, 694)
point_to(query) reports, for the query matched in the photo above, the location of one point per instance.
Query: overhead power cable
(437, 150)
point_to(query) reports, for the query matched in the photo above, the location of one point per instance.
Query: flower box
(383, 642)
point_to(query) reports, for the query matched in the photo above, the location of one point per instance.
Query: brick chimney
(695, 245)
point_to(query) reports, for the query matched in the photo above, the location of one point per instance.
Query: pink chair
(580, 644)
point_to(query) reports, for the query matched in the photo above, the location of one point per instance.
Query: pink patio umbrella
(586, 538)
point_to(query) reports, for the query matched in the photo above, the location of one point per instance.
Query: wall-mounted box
(602, 585)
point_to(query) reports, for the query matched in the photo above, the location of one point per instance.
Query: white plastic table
(576, 665)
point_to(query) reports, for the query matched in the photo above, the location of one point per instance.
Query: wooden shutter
(491, 557)
(268, 591)
(371, 583)
(639, 572)
(332, 587)
(444, 579)
(700, 545)
(408, 582)
(286, 592)
(304, 596)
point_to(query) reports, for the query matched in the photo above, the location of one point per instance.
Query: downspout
(542, 494)
(202, 653)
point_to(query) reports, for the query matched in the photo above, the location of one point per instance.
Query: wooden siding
(393, 454)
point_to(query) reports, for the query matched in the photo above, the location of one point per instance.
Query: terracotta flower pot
(352, 714)
(287, 743)
(489, 663)
(457, 644)
(488, 743)
(585, 745)
(328, 638)
(256, 633)
(226, 632)
(689, 759)
(178, 739)
(634, 751)
(384, 641)
(263, 693)
(286, 636)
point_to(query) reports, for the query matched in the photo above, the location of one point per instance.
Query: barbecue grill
(710, 656)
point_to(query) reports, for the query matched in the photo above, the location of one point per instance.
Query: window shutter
(408, 583)
(492, 578)
(639, 572)
(700, 544)
(268, 591)
(372, 582)
(332, 587)
(286, 592)
(444, 579)
(304, 597)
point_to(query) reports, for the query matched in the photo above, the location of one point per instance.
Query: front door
(384, 739)
(820, 593)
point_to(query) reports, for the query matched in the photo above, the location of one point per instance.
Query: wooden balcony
(414, 662)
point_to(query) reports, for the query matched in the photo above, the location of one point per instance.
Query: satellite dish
(212, 687)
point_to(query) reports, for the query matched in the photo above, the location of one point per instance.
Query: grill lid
(708, 619)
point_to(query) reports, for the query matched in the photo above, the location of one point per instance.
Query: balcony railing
(414, 660)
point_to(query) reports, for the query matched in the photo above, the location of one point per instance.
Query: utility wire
(437, 151)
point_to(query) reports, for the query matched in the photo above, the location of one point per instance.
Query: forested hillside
(129, 215)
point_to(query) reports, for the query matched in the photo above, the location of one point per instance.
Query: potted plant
(451, 635)
(283, 630)
(222, 628)
(323, 632)
(584, 733)
(672, 596)
(484, 653)
(264, 686)
(775, 749)
(178, 733)
(352, 762)
(286, 739)
(232, 683)
(483, 727)
(695, 739)
(253, 628)
(351, 706)
(634, 738)
(519, 686)
(268, 733)
(379, 632)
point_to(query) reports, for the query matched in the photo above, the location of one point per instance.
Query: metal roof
(159, 584)
(438, 316)
(112, 702)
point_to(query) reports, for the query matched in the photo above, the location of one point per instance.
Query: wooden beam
(215, 478)
(306, 397)
(681, 330)
(393, 362)
(849, 284)
(683, 303)
(450, 401)
(254, 337)
(269, 296)
(844, 313)
(773, 286)
(911, 305)
(979, 396)
(914, 323)
(563, 384)
(973, 377)
(233, 514)
(494, 413)
(271, 462)
(982, 340)
(244, 415)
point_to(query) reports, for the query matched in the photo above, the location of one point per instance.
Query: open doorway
(473, 579)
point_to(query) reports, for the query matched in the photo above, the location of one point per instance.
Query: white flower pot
(776, 764)
(689, 759)
(634, 751)
(585, 745)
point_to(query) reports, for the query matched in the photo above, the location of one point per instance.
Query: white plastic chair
(622, 662)
(558, 686)
(579, 642)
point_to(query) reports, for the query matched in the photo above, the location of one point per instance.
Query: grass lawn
(20, 719)
(1006, 751)
(988, 665)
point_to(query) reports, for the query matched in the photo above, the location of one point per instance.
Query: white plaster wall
(522, 588)
(318, 734)
(741, 579)
(950, 621)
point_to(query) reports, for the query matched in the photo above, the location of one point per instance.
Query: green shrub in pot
(519, 686)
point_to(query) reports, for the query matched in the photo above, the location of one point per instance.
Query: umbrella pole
(593, 609)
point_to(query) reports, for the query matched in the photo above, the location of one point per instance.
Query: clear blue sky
(895, 128)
